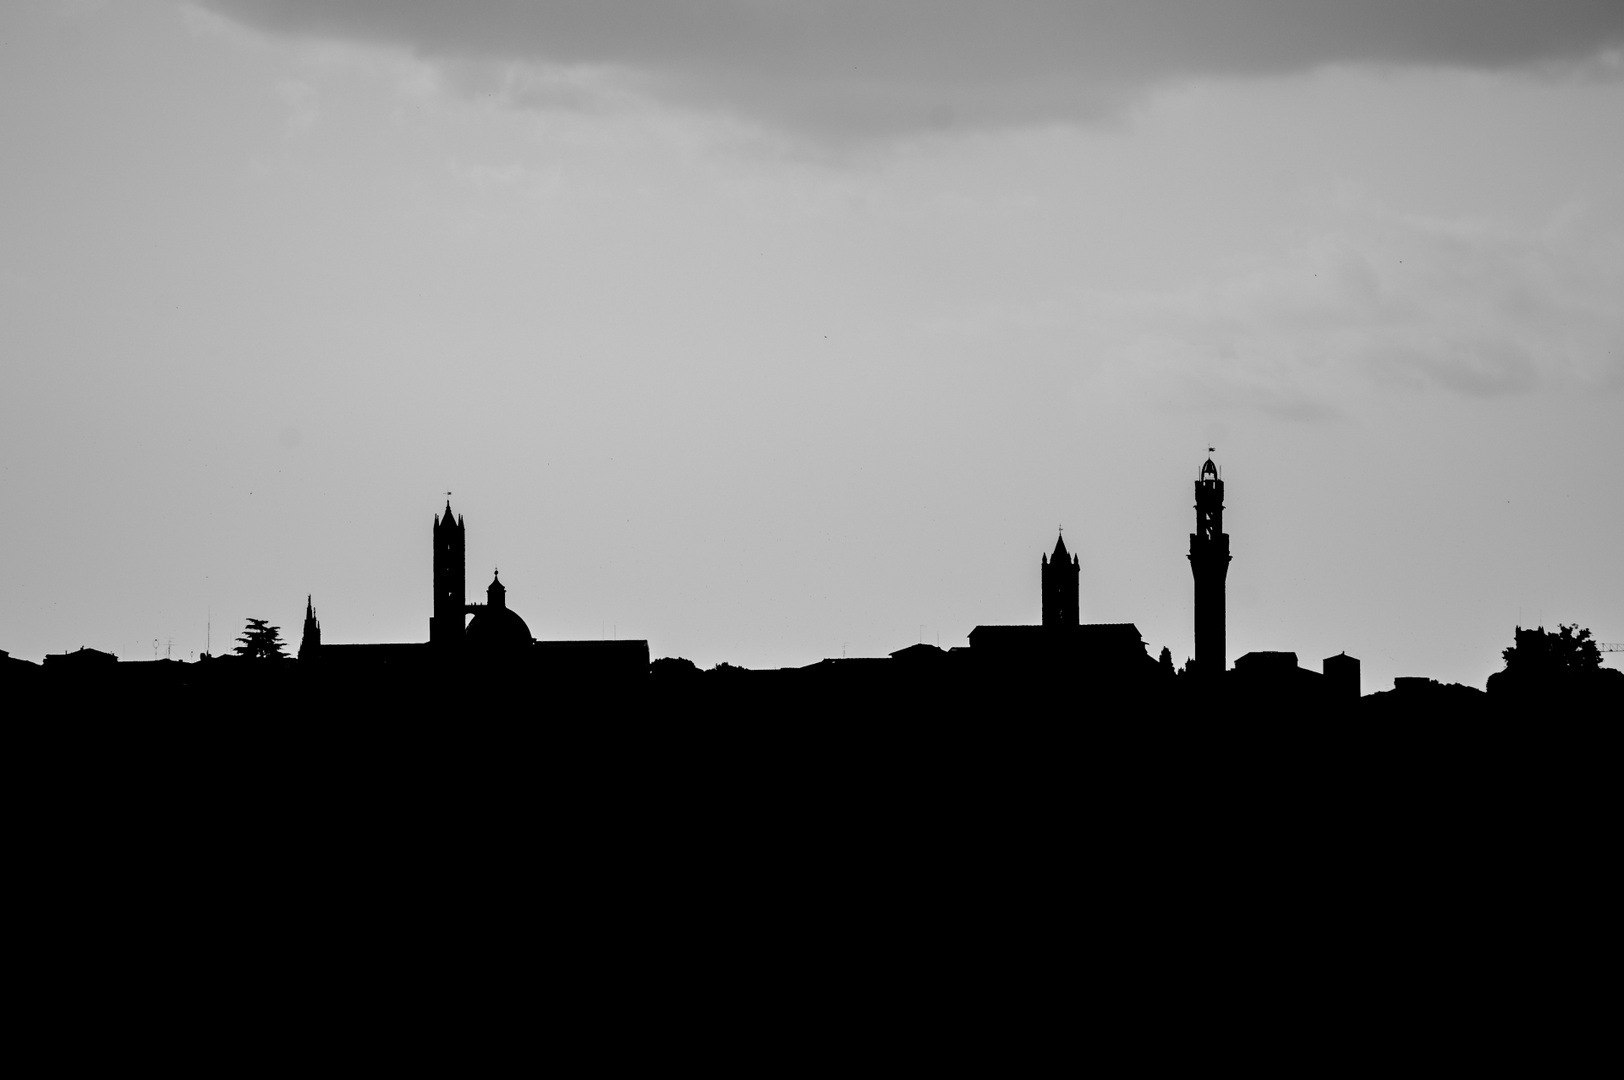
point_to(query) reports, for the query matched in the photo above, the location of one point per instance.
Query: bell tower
(450, 582)
(1061, 572)
(1209, 562)
(310, 642)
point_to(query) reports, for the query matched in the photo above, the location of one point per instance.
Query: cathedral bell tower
(310, 641)
(450, 583)
(1061, 573)
(1209, 562)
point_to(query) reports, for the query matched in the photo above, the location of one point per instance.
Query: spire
(1060, 553)
(310, 640)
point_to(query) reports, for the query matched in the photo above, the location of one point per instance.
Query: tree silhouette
(260, 641)
(673, 667)
(1542, 652)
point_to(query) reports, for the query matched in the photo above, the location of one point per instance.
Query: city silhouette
(1059, 669)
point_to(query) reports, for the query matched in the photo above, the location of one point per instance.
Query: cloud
(882, 67)
(1388, 304)
(1394, 301)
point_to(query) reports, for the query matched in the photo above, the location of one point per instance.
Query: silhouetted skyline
(1058, 670)
(774, 336)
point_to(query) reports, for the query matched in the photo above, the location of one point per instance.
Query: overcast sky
(768, 329)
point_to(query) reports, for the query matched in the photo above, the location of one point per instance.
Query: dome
(497, 629)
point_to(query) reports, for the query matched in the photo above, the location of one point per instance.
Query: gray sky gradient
(733, 351)
(874, 66)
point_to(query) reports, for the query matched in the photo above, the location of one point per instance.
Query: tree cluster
(1543, 653)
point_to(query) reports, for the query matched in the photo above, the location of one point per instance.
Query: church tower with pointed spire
(450, 582)
(1209, 562)
(1061, 573)
(310, 640)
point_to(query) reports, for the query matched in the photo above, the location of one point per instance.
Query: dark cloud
(893, 65)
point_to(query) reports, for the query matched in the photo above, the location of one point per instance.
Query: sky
(774, 330)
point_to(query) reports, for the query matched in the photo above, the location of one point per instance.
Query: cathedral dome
(497, 630)
(496, 627)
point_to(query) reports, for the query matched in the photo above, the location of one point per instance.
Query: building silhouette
(481, 661)
(1061, 646)
(310, 640)
(497, 641)
(1060, 586)
(1341, 676)
(1209, 563)
(496, 628)
(450, 582)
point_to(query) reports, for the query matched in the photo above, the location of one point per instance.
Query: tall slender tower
(310, 641)
(1060, 575)
(1209, 562)
(450, 582)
